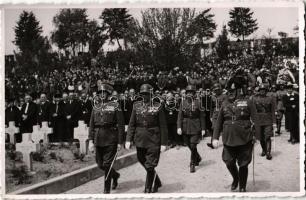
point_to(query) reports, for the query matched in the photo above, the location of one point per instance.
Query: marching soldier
(265, 118)
(191, 123)
(234, 121)
(106, 129)
(148, 130)
(280, 108)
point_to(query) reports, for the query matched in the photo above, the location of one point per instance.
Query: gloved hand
(203, 133)
(119, 147)
(179, 131)
(127, 145)
(163, 148)
(126, 128)
(91, 146)
(215, 143)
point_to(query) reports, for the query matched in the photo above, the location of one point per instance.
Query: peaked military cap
(106, 87)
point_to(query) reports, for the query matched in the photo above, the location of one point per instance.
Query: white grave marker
(26, 147)
(37, 135)
(46, 131)
(11, 130)
(81, 133)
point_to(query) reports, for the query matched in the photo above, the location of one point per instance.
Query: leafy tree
(34, 49)
(241, 22)
(222, 44)
(27, 32)
(117, 22)
(70, 29)
(167, 37)
(282, 34)
(96, 37)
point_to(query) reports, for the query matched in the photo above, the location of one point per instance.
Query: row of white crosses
(31, 141)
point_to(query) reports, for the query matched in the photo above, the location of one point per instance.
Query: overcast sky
(279, 19)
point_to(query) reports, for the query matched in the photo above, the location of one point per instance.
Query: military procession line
(153, 120)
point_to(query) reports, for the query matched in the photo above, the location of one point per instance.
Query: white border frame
(158, 4)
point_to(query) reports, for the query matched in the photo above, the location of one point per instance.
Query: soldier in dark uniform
(106, 129)
(215, 106)
(234, 121)
(281, 92)
(148, 129)
(191, 123)
(291, 104)
(265, 117)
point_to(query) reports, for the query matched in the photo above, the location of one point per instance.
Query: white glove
(163, 148)
(179, 131)
(127, 145)
(126, 128)
(215, 143)
(91, 146)
(119, 147)
(203, 133)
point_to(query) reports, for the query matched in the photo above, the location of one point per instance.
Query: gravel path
(281, 174)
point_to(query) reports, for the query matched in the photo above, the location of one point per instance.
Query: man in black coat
(12, 114)
(71, 114)
(85, 109)
(43, 109)
(291, 104)
(28, 114)
(57, 120)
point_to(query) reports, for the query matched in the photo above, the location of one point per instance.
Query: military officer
(106, 129)
(234, 121)
(265, 117)
(148, 130)
(191, 123)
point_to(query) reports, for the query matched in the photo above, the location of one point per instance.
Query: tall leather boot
(193, 159)
(234, 172)
(157, 183)
(269, 156)
(115, 177)
(149, 182)
(243, 177)
(107, 182)
(264, 148)
(198, 158)
(278, 127)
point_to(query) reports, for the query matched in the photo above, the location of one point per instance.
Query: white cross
(11, 130)
(81, 133)
(37, 135)
(26, 147)
(45, 130)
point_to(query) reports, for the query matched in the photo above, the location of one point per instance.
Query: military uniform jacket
(106, 126)
(265, 110)
(191, 117)
(148, 125)
(234, 120)
(216, 104)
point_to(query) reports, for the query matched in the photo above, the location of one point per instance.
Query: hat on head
(190, 88)
(145, 88)
(107, 88)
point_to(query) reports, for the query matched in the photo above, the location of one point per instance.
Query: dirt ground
(281, 174)
(49, 168)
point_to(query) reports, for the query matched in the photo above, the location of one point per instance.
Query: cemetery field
(49, 162)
